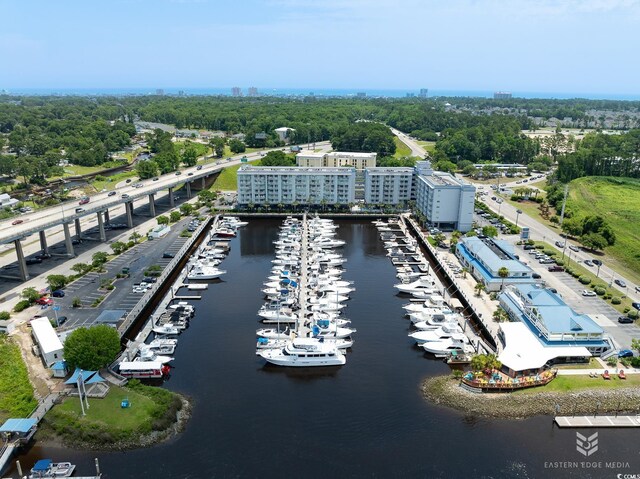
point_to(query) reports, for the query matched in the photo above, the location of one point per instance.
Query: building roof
(59, 366)
(524, 351)
(554, 312)
(302, 170)
(18, 425)
(494, 254)
(48, 340)
(284, 129)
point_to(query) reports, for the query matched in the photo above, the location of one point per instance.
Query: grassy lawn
(430, 146)
(107, 421)
(577, 383)
(16, 393)
(402, 149)
(200, 148)
(591, 274)
(592, 364)
(228, 178)
(110, 182)
(618, 201)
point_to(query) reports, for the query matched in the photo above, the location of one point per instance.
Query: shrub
(635, 362)
(4, 315)
(22, 305)
(626, 310)
(76, 302)
(559, 262)
(576, 274)
(616, 300)
(584, 279)
(550, 252)
(633, 314)
(600, 290)
(539, 246)
(607, 296)
(531, 242)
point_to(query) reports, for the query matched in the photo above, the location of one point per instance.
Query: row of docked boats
(305, 296)
(435, 327)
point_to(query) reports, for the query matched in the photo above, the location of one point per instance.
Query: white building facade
(288, 185)
(336, 159)
(47, 340)
(446, 201)
(390, 186)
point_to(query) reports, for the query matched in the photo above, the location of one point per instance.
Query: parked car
(625, 320)
(33, 261)
(636, 305)
(128, 181)
(588, 262)
(588, 293)
(597, 262)
(637, 289)
(536, 276)
(574, 248)
(44, 301)
(76, 241)
(620, 283)
(556, 269)
(58, 293)
(625, 353)
(17, 222)
(560, 244)
(84, 200)
(112, 193)
(168, 255)
(529, 246)
(62, 320)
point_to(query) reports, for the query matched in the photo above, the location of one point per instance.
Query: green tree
(635, 345)
(186, 209)
(147, 169)
(30, 294)
(135, 236)
(56, 281)
(503, 273)
(118, 247)
(593, 241)
(92, 348)
(479, 287)
(82, 268)
(490, 231)
(190, 155)
(236, 146)
(99, 258)
(277, 158)
(174, 216)
(162, 220)
(217, 146)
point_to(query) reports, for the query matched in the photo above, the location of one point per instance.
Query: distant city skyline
(571, 47)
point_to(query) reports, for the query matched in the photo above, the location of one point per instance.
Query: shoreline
(445, 391)
(146, 440)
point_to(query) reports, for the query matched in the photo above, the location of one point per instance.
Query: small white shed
(47, 341)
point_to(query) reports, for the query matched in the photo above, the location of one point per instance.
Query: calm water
(366, 419)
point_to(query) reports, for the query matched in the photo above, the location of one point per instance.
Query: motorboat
(327, 297)
(235, 221)
(432, 316)
(162, 345)
(271, 333)
(327, 307)
(283, 315)
(204, 272)
(167, 329)
(445, 347)
(149, 355)
(332, 332)
(424, 293)
(304, 352)
(324, 242)
(46, 468)
(421, 283)
(448, 330)
(143, 369)
(330, 289)
(265, 343)
(433, 301)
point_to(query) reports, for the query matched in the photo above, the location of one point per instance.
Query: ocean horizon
(319, 92)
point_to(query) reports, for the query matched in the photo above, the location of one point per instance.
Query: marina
(390, 430)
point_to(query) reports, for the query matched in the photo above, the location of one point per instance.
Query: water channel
(366, 419)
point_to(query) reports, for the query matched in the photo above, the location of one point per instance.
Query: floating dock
(597, 421)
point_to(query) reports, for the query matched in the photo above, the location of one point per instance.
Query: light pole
(518, 213)
(598, 272)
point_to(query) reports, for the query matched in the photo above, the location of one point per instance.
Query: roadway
(416, 150)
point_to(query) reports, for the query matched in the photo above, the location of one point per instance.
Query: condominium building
(390, 186)
(289, 185)
(446, 201)
(335, 159)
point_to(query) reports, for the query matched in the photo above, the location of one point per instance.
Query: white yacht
(166, 329)
(304, 352)
(271, 333)
(449, 330)
(162, 345)
(204, 272)
(333, 332)
(445, 347)
(149, 355)
(277, 314)
(265, 343)
(424, 282)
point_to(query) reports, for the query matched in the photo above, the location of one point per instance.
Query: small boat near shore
(46, 468)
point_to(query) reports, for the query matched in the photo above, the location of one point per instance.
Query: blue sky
(581, 46)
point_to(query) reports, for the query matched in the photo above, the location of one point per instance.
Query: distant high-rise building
(424, 93)
(236, 91)
(180, 92)
(410, 95)
(159, 92)
(361, 94)
(502, 95)
(253, 91)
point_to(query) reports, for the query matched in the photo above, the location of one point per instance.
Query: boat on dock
(304, 352)
(46, 468)
(143, 369)
(205, 272)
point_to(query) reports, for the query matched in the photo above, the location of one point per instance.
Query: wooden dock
(301, 328)
(597, 421)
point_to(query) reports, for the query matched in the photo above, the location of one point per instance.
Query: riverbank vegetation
(153, 415)
(16, 392)
(567, 394)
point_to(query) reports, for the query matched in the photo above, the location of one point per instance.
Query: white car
(587, 292)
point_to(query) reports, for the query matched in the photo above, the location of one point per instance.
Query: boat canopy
(42, 465)
(22, 425)
(88, 377)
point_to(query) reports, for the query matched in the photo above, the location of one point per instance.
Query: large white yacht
(423, 282)
(203, 272)
(448, 330)
(444, 347)
(304, 352)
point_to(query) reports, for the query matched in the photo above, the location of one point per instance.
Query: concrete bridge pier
(152, 206)
(129, 208)
(103, 234)
(43, 242)
(172, 203)
(78, 229)
(188, 185)
(22, 264)
(106, 216)
(67, 240)
(203, 183)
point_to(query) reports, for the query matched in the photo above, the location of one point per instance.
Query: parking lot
(123, 297)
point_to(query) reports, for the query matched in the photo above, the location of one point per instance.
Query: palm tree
(464, 272)
(479, 287)
(135, 236)
(503, 273)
